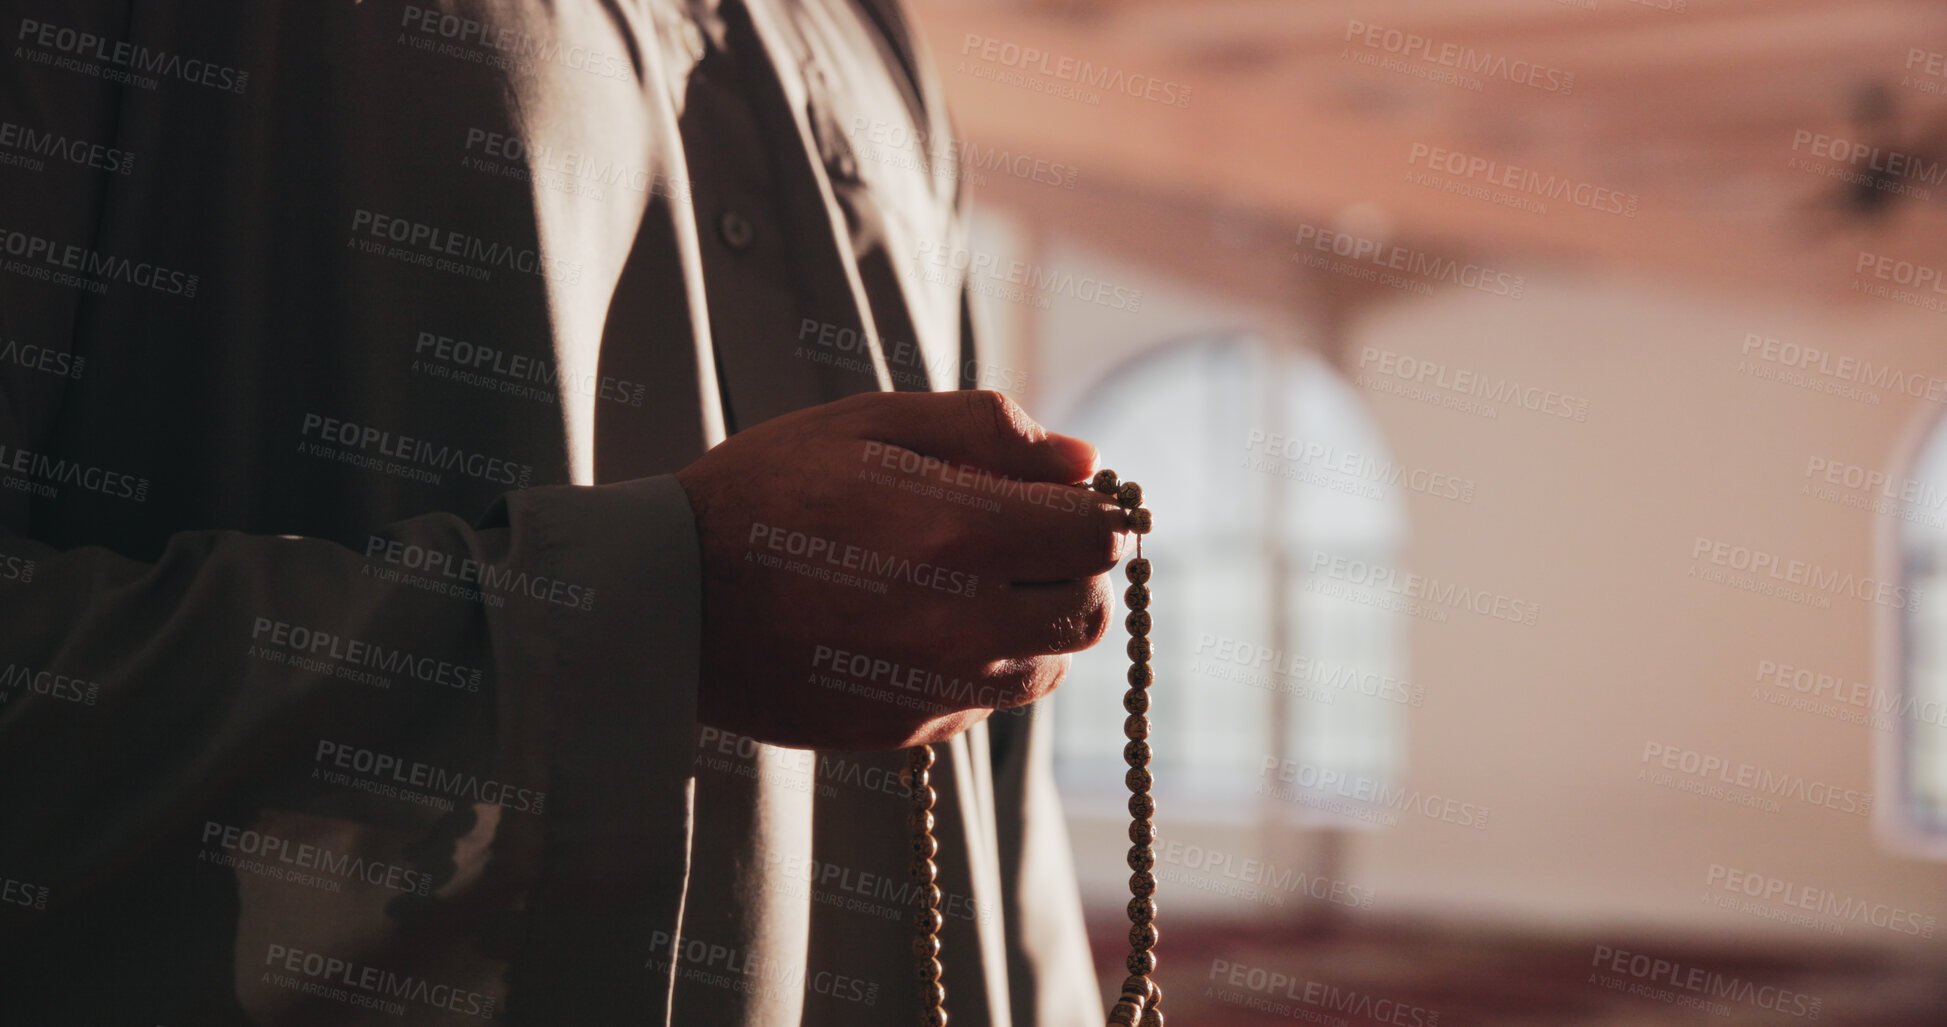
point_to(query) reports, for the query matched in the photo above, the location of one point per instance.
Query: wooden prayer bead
(1134, 997)
(1140, 1004)
(926, 899)
(1153, 1012)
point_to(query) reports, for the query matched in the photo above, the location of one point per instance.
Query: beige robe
(294, 733)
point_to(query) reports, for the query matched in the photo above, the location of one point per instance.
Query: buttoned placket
(785, 308)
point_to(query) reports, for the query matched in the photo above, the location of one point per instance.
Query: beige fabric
(537, 256)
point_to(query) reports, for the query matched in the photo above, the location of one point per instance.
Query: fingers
(1052, 533)
(1026, 681)
(1046, 620)
(937, 730)
(1003, 528)
(1013, 623)
(981, 428)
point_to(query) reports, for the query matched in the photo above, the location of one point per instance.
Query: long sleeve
(526, 682)
(324, 690)
(304, 289)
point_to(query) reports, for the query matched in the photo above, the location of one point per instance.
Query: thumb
(978, 427)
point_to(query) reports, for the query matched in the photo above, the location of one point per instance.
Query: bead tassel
(1141, 1001)
(926, 894)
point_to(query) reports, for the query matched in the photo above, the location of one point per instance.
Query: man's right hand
(890, 568)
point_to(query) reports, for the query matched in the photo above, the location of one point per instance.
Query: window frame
(1101, 796)
(1893, 820)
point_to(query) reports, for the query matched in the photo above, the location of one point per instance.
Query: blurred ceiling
(1293, 120)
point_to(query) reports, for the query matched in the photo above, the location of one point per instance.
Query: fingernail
(1075, 451)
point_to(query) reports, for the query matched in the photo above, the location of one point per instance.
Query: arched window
(1261, 465)
(1921, 763)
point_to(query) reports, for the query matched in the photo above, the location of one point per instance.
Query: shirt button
(692, 39)
(735, 230)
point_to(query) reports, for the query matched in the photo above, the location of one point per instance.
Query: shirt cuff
(619, 709)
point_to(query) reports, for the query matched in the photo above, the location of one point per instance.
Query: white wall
(1596, 521)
